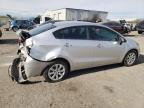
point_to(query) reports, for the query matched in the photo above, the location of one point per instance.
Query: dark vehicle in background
(116, 26)
(140, 27)
(126, 25)
(21, 24)
(15, 24)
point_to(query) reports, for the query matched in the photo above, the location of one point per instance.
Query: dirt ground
(113, 86)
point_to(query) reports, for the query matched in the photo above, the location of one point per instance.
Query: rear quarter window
(41, 29)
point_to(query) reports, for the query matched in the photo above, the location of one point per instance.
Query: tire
(139, 32)
(52, 74)
(15, 69)
(130, 59)
(15, 29)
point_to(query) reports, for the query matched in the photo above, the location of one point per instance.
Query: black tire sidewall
(45, 74)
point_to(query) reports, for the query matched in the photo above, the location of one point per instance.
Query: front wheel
(56, 71)
(130, 58)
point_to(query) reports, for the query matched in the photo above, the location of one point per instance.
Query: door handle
(100, 46)
(67, 45)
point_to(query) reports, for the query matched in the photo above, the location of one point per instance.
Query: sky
(118, 9)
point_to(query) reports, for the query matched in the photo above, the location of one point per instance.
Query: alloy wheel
(130, 58)
(56, 72)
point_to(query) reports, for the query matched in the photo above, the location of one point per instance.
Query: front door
(107, 49)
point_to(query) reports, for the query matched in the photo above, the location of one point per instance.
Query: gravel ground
(113, 86)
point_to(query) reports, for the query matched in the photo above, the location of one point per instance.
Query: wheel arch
(130, 51)
(134, 50)
(60, 59)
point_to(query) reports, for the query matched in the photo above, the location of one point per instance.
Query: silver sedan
(55, 49)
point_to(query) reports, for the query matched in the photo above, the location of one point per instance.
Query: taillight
(29, 45)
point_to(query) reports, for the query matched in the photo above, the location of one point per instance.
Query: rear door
(76, 45)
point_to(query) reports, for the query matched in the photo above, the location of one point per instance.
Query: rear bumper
(25, 67)
(34, 67)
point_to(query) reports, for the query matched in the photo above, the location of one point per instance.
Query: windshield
(41, 29)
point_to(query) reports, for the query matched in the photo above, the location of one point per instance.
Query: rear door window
(78, 32)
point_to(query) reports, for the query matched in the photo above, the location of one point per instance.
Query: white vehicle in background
(55, 49)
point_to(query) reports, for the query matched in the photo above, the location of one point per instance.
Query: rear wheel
(56, 71)
(130, 58)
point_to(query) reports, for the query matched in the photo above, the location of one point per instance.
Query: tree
(96, 18)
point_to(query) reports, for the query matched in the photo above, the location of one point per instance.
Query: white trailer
(70, 14)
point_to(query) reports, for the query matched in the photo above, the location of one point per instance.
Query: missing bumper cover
(16, 71)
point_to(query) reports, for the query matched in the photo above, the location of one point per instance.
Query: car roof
(63, 24)
(73, 23)
(54, 26)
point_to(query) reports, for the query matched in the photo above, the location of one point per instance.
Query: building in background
(70, 14)
(3, 20)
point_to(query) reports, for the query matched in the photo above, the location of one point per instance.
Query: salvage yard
(113, 86)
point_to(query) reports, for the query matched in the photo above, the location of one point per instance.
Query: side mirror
(122, 40)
